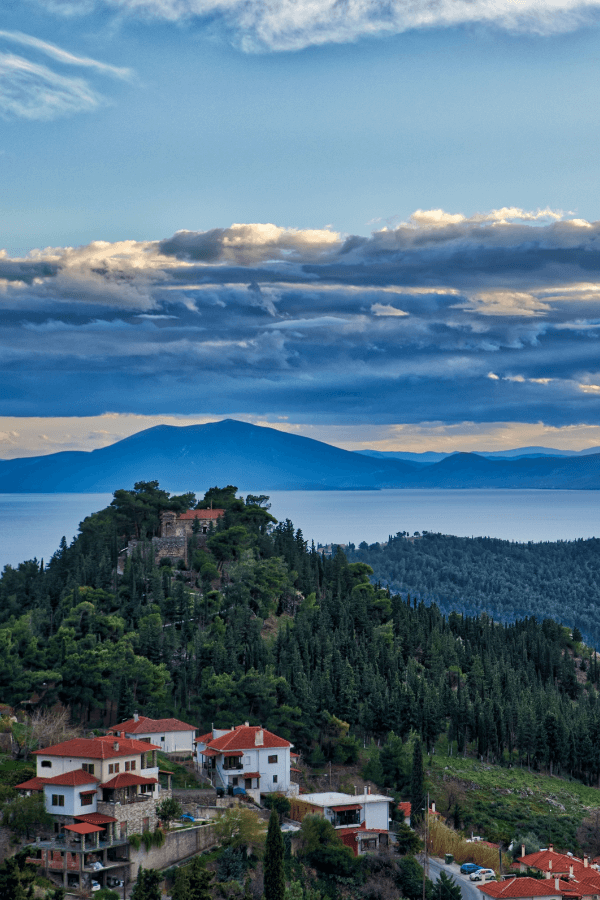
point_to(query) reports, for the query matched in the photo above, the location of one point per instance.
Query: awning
(126, 779)
(232, 752)
(346, 808)
(96, 819)
(251, 774)
(83, 828)
(209, 752)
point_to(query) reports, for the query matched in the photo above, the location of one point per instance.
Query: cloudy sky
(373, 223)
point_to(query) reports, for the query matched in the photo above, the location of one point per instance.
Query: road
(469, 888)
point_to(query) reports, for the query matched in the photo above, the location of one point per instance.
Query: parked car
(114, 882)
(468, 868)
(95, 886)
(483, 875)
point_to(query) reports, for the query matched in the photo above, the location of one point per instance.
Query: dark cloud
(442, 318)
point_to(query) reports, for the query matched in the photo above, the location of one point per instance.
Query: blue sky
(425, 271)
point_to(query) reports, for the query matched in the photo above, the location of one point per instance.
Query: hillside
(260, 458)
(505, 579)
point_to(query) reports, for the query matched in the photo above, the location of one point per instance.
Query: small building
(248, 757)
(530, 889)
(362, 821)
(550, 863)
(175, 532)
(171, 735)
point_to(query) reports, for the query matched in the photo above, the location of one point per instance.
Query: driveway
(469, 888)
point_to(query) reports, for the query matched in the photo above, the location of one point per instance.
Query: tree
(25, 815)
(273, 865)
(168, 809)
(147, 886)
(446, 888)
(410, 879)
(407, 840)
(16, 878)
(192, 881)
(240, 827)
(278, 802)
(417, 790)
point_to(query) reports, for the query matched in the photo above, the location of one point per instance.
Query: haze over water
(31, 525)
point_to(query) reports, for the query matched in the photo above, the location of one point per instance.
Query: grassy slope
(496, 802)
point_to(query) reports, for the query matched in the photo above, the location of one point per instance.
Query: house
(362, 821)
(405, 808)
(171, 735)
(248, 757)
(175, 531)
(98, 791)
(550, 863)
(529, 889)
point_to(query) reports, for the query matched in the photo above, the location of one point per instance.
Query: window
(146, 824)
(117, 767)
(234, 781)
(163, 738)
(274, 779)
(87, 799)
(123, 830)
(111, 769)
(272, 759)
(46, 764)
(132, 765)
(127, 766)
(88, 767)
(58, 799)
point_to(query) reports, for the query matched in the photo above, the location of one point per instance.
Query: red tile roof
(74, 778)
(205, 738)
(97, 748)
(525, 887)
(551, 861)
(151, 726)
(244, 738)
(202, 514)
(83, 828)
(33, 784)
(96, 819)
(127, 779)
(406, 808)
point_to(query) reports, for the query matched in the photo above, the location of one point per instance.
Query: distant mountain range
(256, 458)
(518, 453)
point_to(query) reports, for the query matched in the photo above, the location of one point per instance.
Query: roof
(202, 514)
(33, 784)
(96, 819)
(83, 828)
(333, 798)
(97, 748)
(406, 808)
(525, 887)
(144, 725)
(204, 738)
(243, 737)
(74, 778)
(127, 779)
(551, 861)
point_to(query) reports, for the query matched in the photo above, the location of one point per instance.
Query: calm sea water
(31, 525)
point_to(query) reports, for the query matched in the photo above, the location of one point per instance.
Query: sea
(32, 525)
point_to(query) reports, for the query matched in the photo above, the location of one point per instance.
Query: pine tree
(417, 790)
(273, 865)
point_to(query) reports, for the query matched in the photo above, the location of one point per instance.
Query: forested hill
(264, 628)
(505, 579)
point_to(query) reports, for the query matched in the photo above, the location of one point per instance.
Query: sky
(372, 222)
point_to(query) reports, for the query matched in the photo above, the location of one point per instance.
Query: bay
(31, 525)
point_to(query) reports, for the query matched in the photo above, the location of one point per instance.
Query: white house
(370, 811)
(171, 735)
(246, 756)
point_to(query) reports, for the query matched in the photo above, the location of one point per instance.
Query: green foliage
(274, 873)
(104, 894)
(169, 809)
(232, 864)
(417, 790)
(147, 886)
(278, 802)
(410, 879)
(135, 840)
(408, 841)
(192, 882)
(25, 815)
(17, 877)
(446, 888)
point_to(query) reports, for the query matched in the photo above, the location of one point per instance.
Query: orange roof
(525, 887)
(202, 514)
(83, 828)
(127, 779)
(151, 726)
(96, 819)
(406, 808)
(33, 784)
(75, 778)
(205, 738)
(97, 748)
(244, 738)
(551, 861)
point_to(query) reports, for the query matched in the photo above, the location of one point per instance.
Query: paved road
(469, 888)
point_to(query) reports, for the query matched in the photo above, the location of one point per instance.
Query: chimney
(550, 865)
(586, 861)
(432, 806)
(136, 717)
(259, 738)
(522, 849)
(570, 871)
(551, 848)
(247, 724)
(116, 745)
(556, 884)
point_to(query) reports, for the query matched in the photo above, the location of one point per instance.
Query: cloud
(32, 90)
(445, 312)
(284, 25)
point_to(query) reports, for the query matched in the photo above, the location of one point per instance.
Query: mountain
(431, 456)
(260, 459)
(218, 453)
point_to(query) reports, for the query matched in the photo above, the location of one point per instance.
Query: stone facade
(136, 817)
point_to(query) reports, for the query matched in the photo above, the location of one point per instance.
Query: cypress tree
(273, 866)
(417, 789)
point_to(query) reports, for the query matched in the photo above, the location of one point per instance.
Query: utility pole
(426, 860)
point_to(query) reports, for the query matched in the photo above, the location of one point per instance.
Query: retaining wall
(178, 845)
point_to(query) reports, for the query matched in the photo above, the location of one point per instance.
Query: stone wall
(178, 845)
(173, 547)
(133, 813)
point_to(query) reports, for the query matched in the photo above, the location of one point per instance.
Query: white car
(483, 875)
(95, 886)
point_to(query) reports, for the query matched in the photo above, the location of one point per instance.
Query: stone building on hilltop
(175, 531)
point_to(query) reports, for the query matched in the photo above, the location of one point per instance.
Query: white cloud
(380, 309)
(32, 90)
(282, 25)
